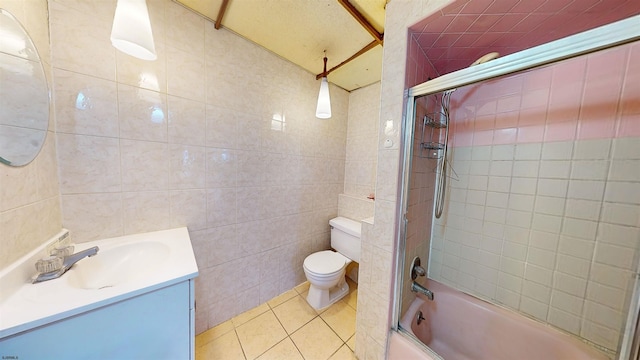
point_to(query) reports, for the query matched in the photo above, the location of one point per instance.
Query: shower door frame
(607, 36)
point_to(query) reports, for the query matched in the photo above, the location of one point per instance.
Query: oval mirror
(24, 94)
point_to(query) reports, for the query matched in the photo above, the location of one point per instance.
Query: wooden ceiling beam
(223, 8)
(362, 20)
(370, 46)
(378, 37)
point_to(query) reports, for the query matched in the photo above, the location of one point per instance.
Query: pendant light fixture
(323, 110)
(131, 31)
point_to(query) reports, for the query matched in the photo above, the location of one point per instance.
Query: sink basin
(117, 265)
(124, 268)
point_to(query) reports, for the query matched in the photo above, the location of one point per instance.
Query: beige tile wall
(29, 195)
(218, 135)
(82, 54)
(361, 154)
(375, 278)
(362, 137)
(560, 250)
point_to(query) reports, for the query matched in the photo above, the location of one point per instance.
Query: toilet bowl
(325, 270)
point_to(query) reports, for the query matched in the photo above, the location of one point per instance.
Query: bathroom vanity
(133, 300)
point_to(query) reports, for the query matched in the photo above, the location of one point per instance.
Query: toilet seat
(325, 263)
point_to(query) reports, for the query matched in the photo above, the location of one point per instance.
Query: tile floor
(285, 327)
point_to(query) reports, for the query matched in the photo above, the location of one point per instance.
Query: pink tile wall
(596, 96)
(419, 68)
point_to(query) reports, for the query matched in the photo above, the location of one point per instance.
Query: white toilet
(325, 270)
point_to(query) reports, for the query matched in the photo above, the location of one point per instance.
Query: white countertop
(24, 306)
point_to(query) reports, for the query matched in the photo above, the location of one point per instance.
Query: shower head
(480, 60)
(485, 58)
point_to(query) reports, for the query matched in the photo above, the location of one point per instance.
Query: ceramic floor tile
(341, 318)
(302, 287)
(316, 340)
(351, 343)
(304, 296)
(260, 334)
(283, 350)
(294, 313)
(344, 353)
(250, 314)
(352, 299)
(214, 333)
(225, 347)
(282, 298)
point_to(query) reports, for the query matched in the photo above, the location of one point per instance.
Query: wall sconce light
(131, 31)
(323, 110)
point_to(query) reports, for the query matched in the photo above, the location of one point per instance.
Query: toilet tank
(345, 237)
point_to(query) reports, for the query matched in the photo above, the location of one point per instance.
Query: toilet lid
(324, 262)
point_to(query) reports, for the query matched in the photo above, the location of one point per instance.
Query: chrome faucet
(67, 263)
(415, 271)
(415, 287)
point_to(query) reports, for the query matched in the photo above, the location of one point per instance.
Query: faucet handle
(62, 251)
(48, 264)
(416, 269)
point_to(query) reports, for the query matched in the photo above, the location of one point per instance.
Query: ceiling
(351, 31)
(463, 31)
(301, 30)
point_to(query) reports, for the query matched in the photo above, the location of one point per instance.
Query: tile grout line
(270, 308)
(240, 342)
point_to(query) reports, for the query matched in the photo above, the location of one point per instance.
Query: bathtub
(460, 327)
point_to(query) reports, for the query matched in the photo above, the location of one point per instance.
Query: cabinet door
(150, 326)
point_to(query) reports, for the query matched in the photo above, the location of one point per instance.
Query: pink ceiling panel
(426, 40)
(454, 8)
(461, 23)
(446, 40)
(458, 34)
(465, 40)
(557, 23)
(527, 6)
(529, 22)
(605, 6)
(434, 54)
(505, 41)
(553, 6)
(476, 7)
(483, 23)
(506, 22)
(483, 41)
(437, 25)
(577, 7)
(501, 7)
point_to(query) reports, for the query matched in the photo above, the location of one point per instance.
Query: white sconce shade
(131, 31)
(323, 110)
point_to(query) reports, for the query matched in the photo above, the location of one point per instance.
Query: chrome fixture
(419, 318)
(67, 263)
(417, 288)
(416, 269)
(441, 186)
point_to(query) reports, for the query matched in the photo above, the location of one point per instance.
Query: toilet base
(320, 299)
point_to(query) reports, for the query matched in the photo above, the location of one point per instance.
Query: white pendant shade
(323, 110)
(131, 31)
